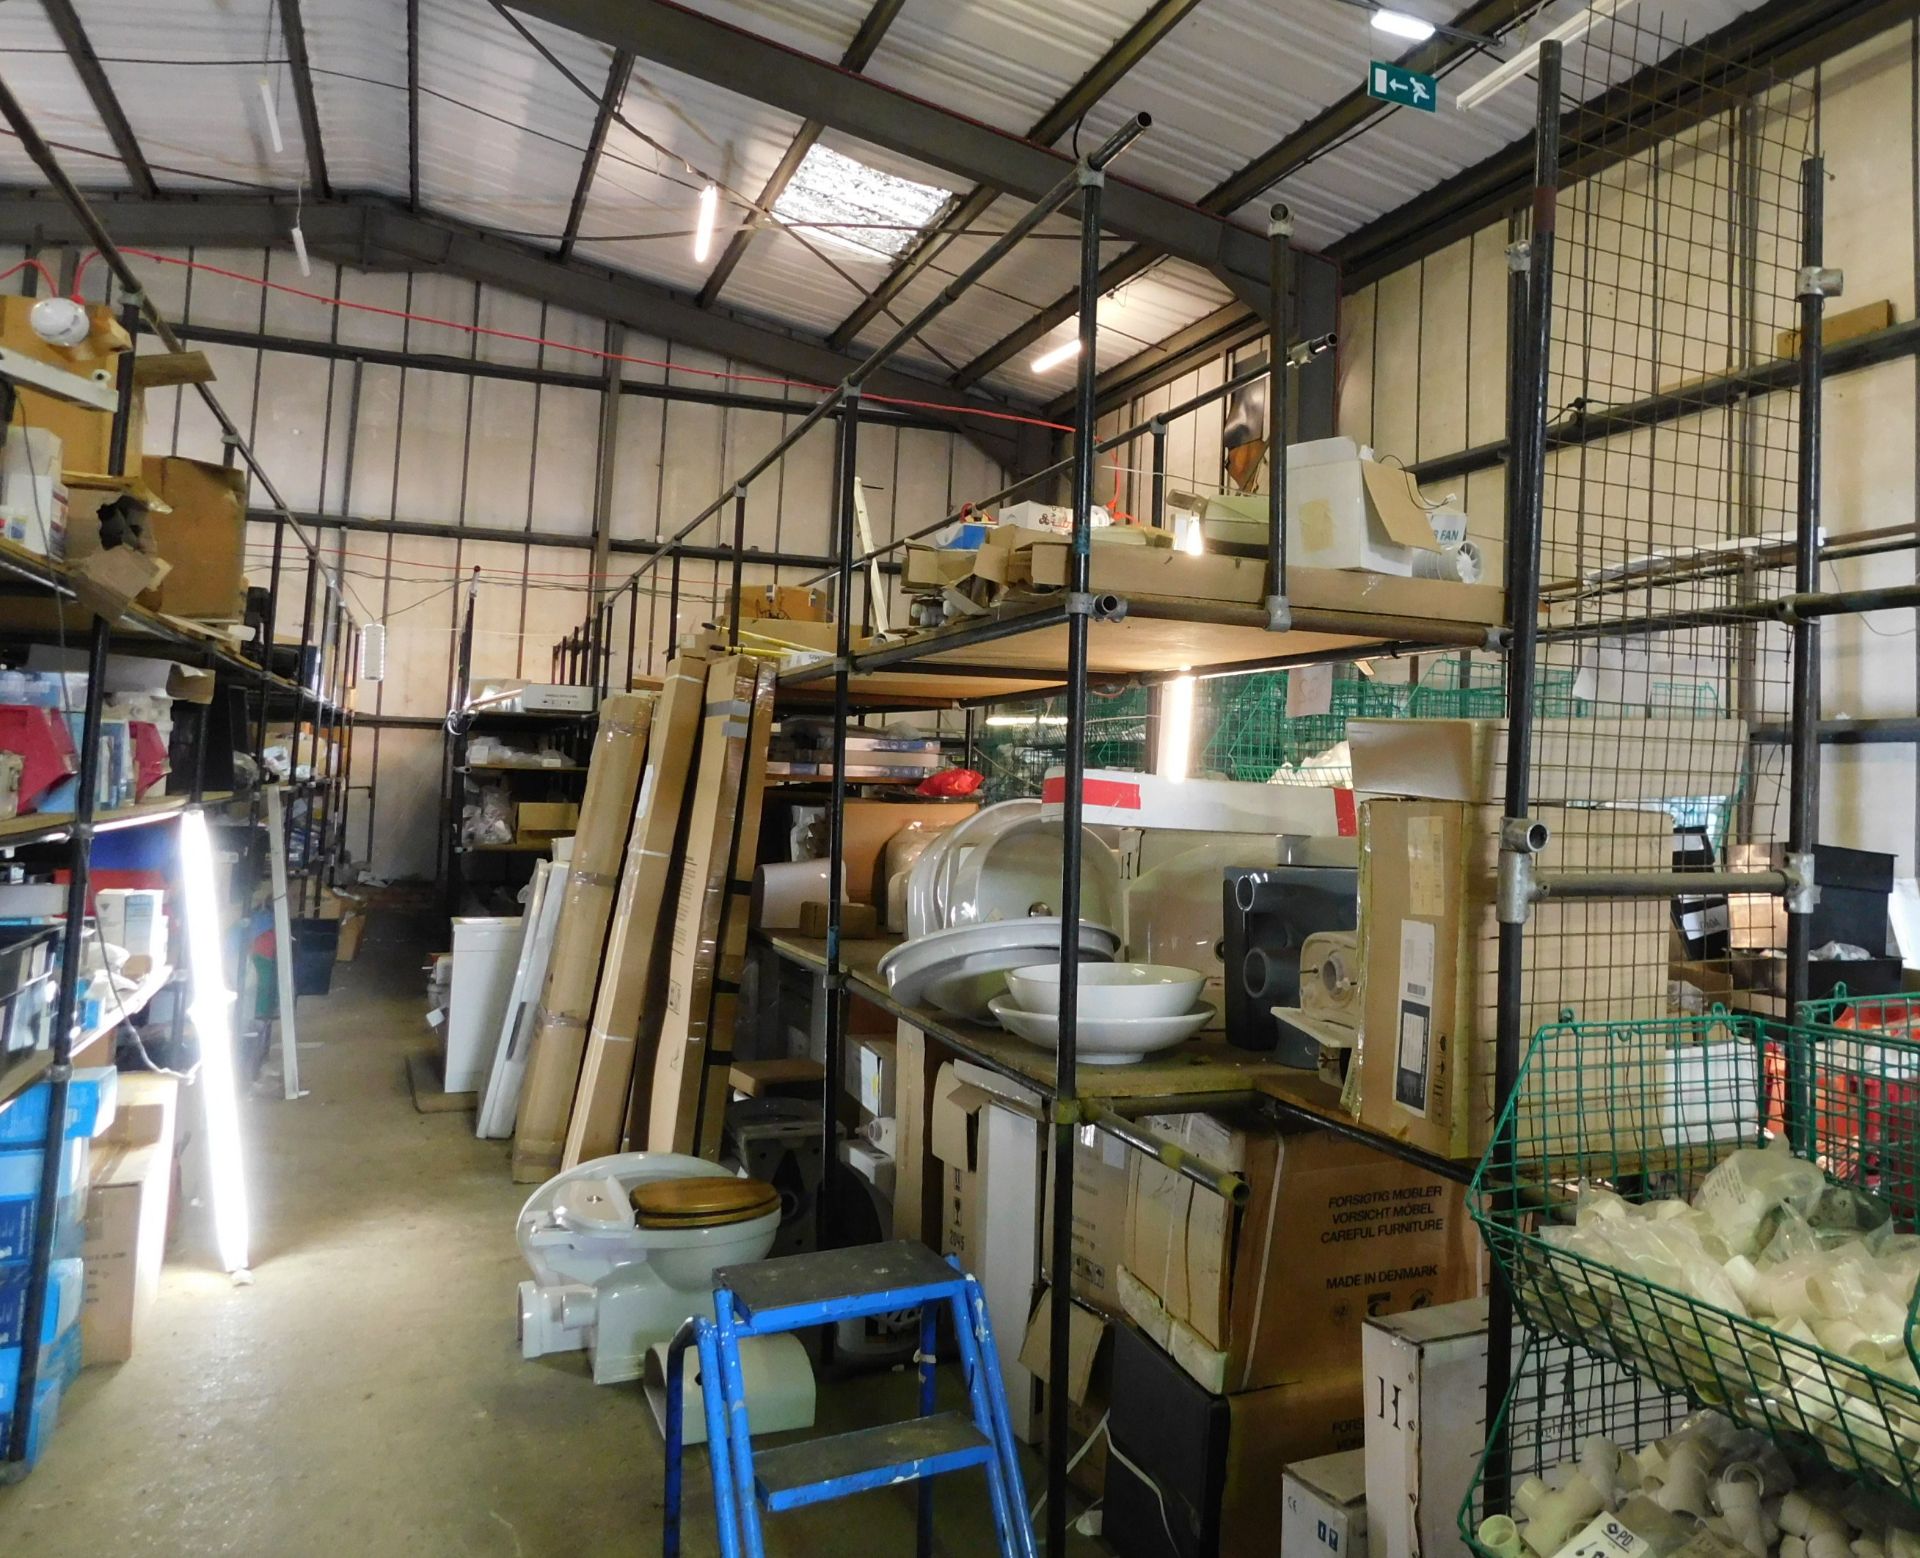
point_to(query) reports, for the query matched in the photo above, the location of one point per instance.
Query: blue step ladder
(796, 1293)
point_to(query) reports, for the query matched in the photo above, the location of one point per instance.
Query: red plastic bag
(951, 783)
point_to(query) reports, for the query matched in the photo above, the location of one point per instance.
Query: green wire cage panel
(1725, 1204)
(1563, 1396)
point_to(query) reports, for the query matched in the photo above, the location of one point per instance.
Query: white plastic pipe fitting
(1685, 1490)
(1554, 1516)
(1738, 1499)
(1499, 1535)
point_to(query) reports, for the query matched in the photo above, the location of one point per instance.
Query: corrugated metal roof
(503, 132)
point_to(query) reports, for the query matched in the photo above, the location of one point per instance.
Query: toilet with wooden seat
(623, 1249)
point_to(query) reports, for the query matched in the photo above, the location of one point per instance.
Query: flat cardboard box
(1243, 1309)
(920, 1182)
(1426, 1385)
(986, 1132)
(1155, 570)
(867, 828)
(203, 537)
(1215, 1459)
(1582, 760)
(1326, 1507)
(126, 1235)
(145, 1111)
(1429, 943)
(1088, 1383)
(616, 1071)
(934, 567)
(698, 958)
(1120, 798)
(531, 818)
(580, 936)
(1847, 325)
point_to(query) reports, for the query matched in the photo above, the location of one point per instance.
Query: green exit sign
(1408, 88)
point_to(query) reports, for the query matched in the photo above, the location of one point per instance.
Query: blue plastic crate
(66, 1290)
(91, 1099)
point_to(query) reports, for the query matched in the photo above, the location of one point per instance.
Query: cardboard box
(1102, 1177)
(1230, 1293)
(1579, 760)
(1326, 1507)
(1120, 798)
(707, 949)
(871, 1077)
(935, 567)
(1345, 510)
(1088, 1383)
(145, 1111)
(534, 818)
(781, 602)
(866, 830)
(1154, 570)
(1847, 325)
(1426, 1394)
(616, 1072)
(85, 434)
(1429, 943)
(1214, 1459)
(580, 935)
(33, 497)
(986, 1132)
(204, 537)
(126, 1235)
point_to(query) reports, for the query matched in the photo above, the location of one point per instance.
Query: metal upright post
(673, 606)
(267, 630)
(1519, 839)
(1816, 284)
(1065, 1075)
(739, 545)
(633, 631)
(833, 992)
(1157, 480)
(1279, 342)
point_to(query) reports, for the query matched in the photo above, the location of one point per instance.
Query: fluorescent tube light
(703, 229)
(212, 1013)
(1401, 25)
(273, 116)
(1503, 76)
(1055, 356)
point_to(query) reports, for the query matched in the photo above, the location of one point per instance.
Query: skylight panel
(837, 201)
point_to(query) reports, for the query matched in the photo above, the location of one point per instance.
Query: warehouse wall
(380, 442)
(1423, 371)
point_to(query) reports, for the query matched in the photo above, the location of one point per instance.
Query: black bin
(315, 945)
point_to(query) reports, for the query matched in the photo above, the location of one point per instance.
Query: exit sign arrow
(1408, 88)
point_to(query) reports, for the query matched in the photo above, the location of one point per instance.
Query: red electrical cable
(46, 275)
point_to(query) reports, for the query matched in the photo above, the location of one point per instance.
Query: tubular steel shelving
(316, 697)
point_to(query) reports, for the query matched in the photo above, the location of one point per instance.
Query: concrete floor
(366, 1395)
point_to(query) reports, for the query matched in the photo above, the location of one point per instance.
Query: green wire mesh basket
(1797, 1318)
(1562, 1395)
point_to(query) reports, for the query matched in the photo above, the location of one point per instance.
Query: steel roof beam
(375, 232)
(1105, 73)
(619, 73)
(413, 104)
(93, 76)
(295, 33)
(760, 70)
(859, 54)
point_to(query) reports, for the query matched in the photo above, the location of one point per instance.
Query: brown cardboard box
(1088, 1383)
(1156, 570)
(1230, 1293)
(703, 953)
(85, 434)
(616, 1076)
(933, 567)
(580, 936)
(1102, 1176)
(783, 602)
(553, 818)
(126, 1234)
(1429, 943)
(145, 1111)
(204, 538)
(868, 827)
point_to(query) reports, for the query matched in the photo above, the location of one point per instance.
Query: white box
(875, 1077)
(1325, 1502)
(1345, 510)
(544, 697)
(1120, 798)
(134, 918)
(1426, 1389)
(485, 954)
(33, 498)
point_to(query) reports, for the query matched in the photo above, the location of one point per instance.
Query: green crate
(1646, 1110)
(1561, 1396)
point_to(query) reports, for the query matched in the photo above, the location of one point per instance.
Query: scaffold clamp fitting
(1279, 614)
(1803, 890)
(1521, 838)
(1821, 281)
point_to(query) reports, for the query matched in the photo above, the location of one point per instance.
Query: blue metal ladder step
(792, 1293)
(870, 1274)
(815, 1470)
